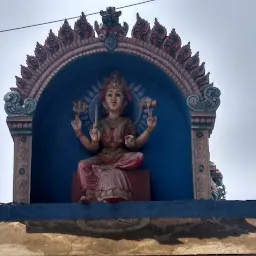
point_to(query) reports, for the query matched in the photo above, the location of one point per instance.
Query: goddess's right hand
(95, 134)
(76, 124)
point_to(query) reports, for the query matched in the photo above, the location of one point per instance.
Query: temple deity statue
(218, 189)
(103, 177)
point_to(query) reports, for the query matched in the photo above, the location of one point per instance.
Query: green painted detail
(23, 139)
(214, 195)
(199, 135)
(202, 126)
(20, 132)
(22, 171)
(201, 168)
(209, 102)
(14, 107)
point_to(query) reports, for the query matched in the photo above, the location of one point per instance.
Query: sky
(222, 31)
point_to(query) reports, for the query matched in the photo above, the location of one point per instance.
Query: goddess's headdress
(115, 81)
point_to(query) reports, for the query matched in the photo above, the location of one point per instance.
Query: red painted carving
(140, 190)
(158, 34)
(172, 44)
(141, 29)
(83, 28)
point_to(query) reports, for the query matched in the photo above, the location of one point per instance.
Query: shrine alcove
(56, 151)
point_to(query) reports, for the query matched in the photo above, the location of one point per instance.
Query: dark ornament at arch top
(201, 95)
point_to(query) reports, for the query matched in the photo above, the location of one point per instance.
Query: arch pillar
(21, 130)
(202, 124)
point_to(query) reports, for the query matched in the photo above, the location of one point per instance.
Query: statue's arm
(135, 143)
(131, 141)
(151, 124)
(142, 139)
(90, 145)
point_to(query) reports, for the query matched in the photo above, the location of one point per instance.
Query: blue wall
(56, 150)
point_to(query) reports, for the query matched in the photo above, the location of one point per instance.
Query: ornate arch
(154, 45)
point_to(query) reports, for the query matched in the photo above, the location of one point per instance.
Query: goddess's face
(114, 100)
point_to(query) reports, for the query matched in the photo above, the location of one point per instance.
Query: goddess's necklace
(113, 123)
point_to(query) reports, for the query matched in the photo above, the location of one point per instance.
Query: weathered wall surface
(186, 237)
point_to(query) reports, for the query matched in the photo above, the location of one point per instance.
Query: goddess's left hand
(129, 141)
(151, 121)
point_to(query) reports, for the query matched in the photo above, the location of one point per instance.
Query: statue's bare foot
(83, 200)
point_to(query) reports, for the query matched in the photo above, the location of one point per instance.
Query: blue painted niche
(56, 151)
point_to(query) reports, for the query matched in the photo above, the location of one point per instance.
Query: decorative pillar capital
(203, 121)
(208, 102)
(19, 125)
(19, 113)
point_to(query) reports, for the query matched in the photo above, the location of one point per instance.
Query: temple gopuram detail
(100, 116)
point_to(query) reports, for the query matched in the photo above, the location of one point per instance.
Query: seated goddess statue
(103, 177)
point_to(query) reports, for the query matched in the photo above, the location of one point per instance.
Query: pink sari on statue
(103, 177)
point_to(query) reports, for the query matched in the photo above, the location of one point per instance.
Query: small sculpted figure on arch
(103, 177)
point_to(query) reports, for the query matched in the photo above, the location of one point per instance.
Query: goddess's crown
(115, 81)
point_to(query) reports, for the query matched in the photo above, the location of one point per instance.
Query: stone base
(110, 226)
(210, 236)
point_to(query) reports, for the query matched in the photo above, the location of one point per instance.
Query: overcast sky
(222, 31)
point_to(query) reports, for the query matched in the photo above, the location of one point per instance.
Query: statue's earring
(105, 109)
